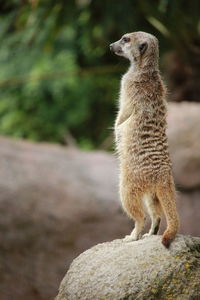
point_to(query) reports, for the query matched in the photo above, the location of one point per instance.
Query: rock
(184, 141)
(55, 202)
(138, 270)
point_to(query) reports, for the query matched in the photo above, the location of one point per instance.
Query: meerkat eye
(125, 39)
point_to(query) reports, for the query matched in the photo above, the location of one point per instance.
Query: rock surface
(138, 270)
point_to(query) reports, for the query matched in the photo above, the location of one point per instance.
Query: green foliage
(57, 76)
(44, 91)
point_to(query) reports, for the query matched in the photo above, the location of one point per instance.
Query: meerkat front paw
(131, 238)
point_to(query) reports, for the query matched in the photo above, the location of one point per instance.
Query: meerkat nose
(111, 47)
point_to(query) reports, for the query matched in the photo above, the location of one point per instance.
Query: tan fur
(140, 130)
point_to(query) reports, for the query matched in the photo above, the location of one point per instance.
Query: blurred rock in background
(184, 140)
(55, 202)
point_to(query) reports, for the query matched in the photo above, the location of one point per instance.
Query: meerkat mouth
(119, 51)
(116, 49)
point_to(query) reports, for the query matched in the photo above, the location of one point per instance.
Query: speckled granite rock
(138, 270)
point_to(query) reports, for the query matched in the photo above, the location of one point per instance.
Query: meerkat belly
(144, 149)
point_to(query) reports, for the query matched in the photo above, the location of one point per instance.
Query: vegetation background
(58, 80)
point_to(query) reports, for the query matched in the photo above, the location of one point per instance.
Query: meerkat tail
(171, 231)
(166, 196)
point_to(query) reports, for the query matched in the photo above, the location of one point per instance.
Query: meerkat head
(140, 48)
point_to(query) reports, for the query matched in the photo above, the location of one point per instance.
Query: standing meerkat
(140, 130)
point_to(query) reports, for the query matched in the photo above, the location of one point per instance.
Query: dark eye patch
(126, 39)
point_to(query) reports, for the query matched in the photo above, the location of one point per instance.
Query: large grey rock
(184, 141)
(138, 270)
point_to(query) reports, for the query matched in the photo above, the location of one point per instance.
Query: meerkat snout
(111, 47)
(116, 48)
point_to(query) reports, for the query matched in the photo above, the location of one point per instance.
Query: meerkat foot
(130, 238)
(136, 233)
(154, 228)
(134, 236)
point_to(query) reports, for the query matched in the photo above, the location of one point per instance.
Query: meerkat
(146, 180)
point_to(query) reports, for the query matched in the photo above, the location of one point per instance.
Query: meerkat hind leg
(133, 205)
(155, 211)
(136, 233)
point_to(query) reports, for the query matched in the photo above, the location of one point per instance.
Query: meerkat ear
(142, 47)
